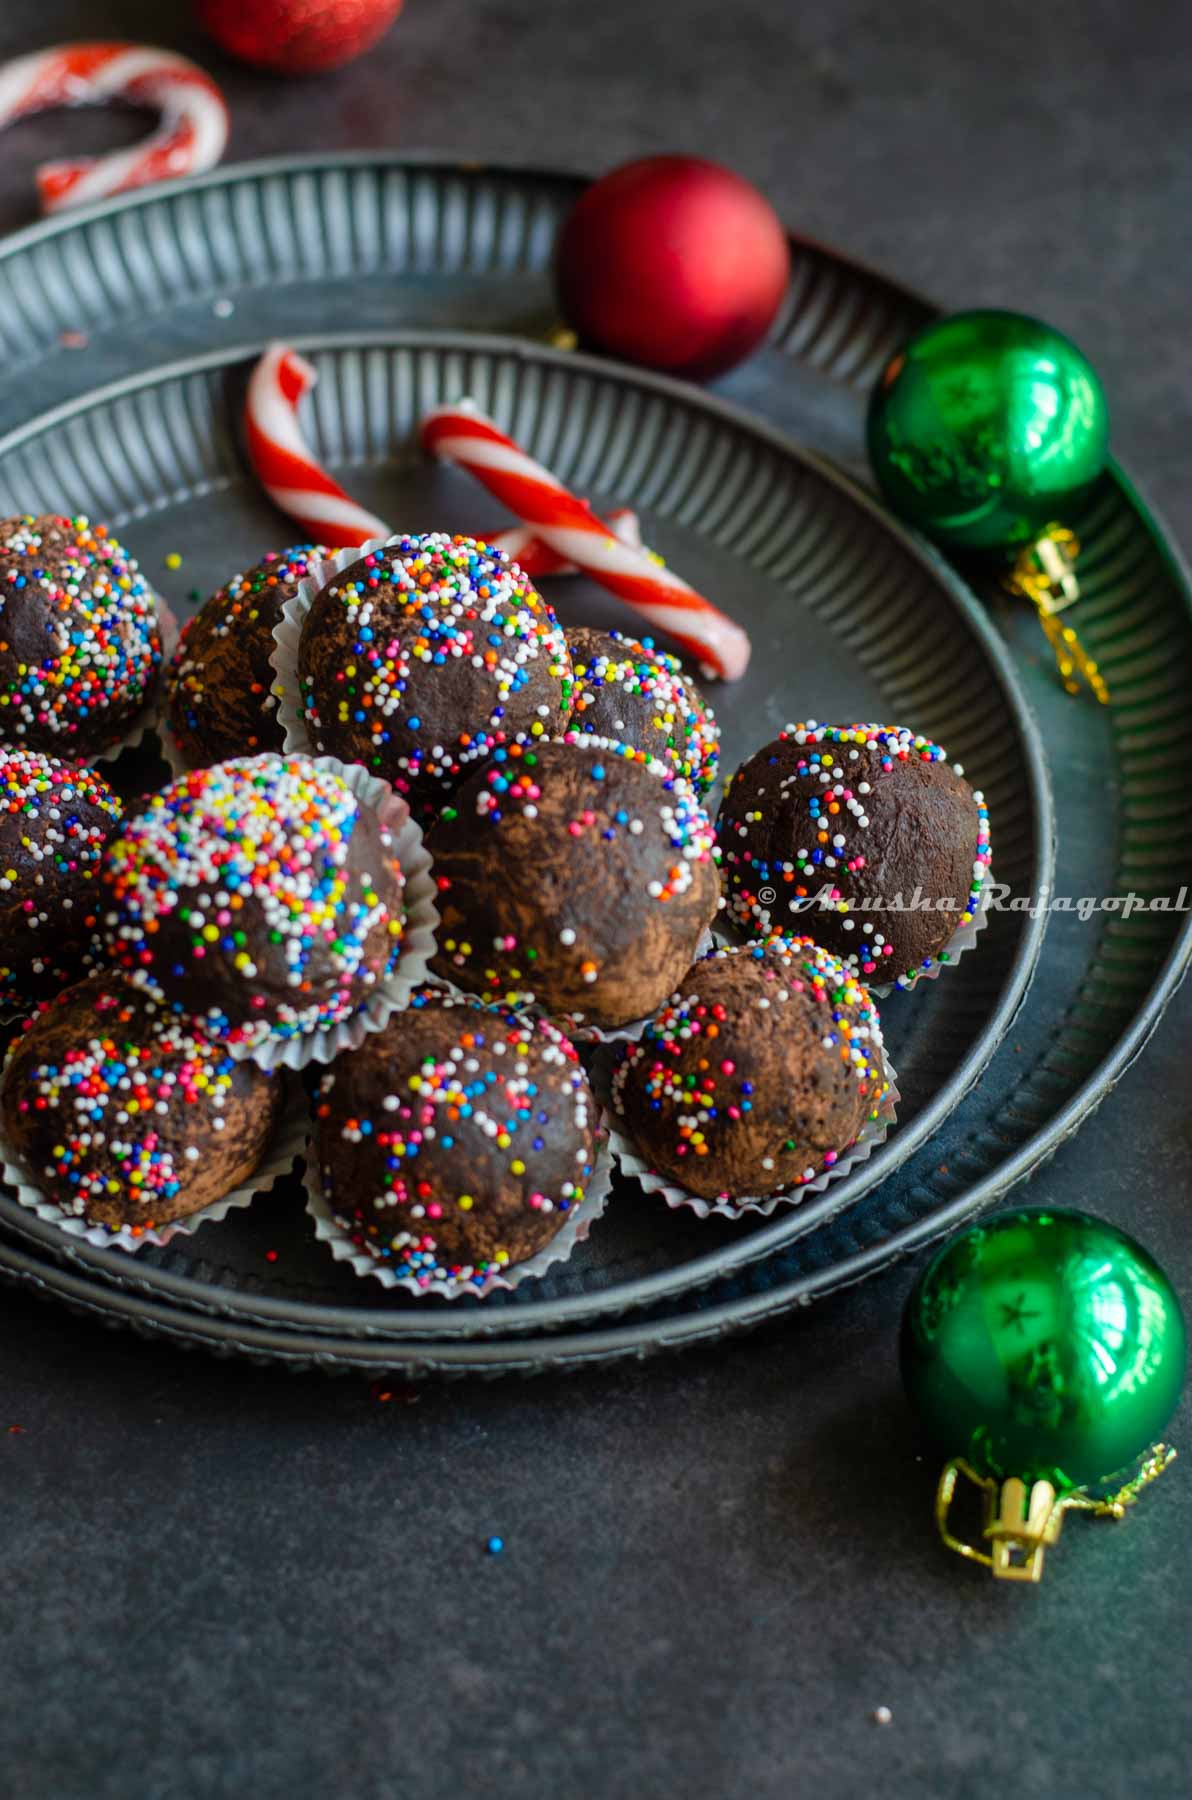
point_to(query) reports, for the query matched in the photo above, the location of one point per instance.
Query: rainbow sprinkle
(53, 844)
(56, 846)
(514, 784)
(414, 608)
(122, 1100)
(838, 807)
(636, 669)
(245, 867)
(492, 1092)
(695, 1063)
(246, 608)
(78, 665)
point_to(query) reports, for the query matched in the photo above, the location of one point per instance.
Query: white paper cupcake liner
(145, 721)
(362, 1262)
(627, 1160)
(288, 1144)
(288, 631)
(961, 940)
(417, 942)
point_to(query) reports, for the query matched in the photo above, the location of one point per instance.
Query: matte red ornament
(296, 37)
(674, 262)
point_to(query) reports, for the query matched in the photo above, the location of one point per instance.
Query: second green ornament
(985, 427)
(1044, 1351)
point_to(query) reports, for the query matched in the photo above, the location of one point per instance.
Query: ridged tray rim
(39, 231)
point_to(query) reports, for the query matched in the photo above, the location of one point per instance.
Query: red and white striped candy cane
(537, 559)
(294, 481)
(191, 136)
(568, 525)
(299, 486)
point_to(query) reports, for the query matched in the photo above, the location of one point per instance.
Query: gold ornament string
(1113, 1506)
(1044, 574)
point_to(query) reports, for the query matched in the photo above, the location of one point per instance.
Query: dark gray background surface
(224, 1582)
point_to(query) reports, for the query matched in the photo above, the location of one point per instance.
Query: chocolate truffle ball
(124, 1114)
(627, 690)
(55, 821)
(80, 644)
(259, 896)
(422, 658)
(219, 683)
(757, 1076)
(864, 836)
(578, 877)
(458, 1141)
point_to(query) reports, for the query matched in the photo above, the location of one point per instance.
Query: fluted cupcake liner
(364, 1262)
(627, 1160)
(392, 994)
(963, 939)
(288, 1144)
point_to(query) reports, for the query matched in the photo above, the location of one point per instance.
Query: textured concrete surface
(224, 1582)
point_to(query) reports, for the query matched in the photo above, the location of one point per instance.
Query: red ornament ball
(296, 37)
(674, 262)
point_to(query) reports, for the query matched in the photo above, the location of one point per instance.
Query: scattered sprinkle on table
(384, 1392)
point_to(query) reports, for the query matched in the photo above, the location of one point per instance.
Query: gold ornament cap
(1020, 1526)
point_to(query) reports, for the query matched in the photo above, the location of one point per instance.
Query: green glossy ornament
(985, 428)
(1046, 1346)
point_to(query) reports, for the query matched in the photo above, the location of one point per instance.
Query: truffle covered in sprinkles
(758, 1075)
(126, 1115)
(55, 821)
(865, 836)
(424, 656)
(220, 682)
(576, 876)
(80, 642)
(629, 690)
(455, 1143)
(259, 895)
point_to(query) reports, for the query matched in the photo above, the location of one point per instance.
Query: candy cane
(463, 435)
(194, 120)
(537, 559)
(299, 486)
(285, 467)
